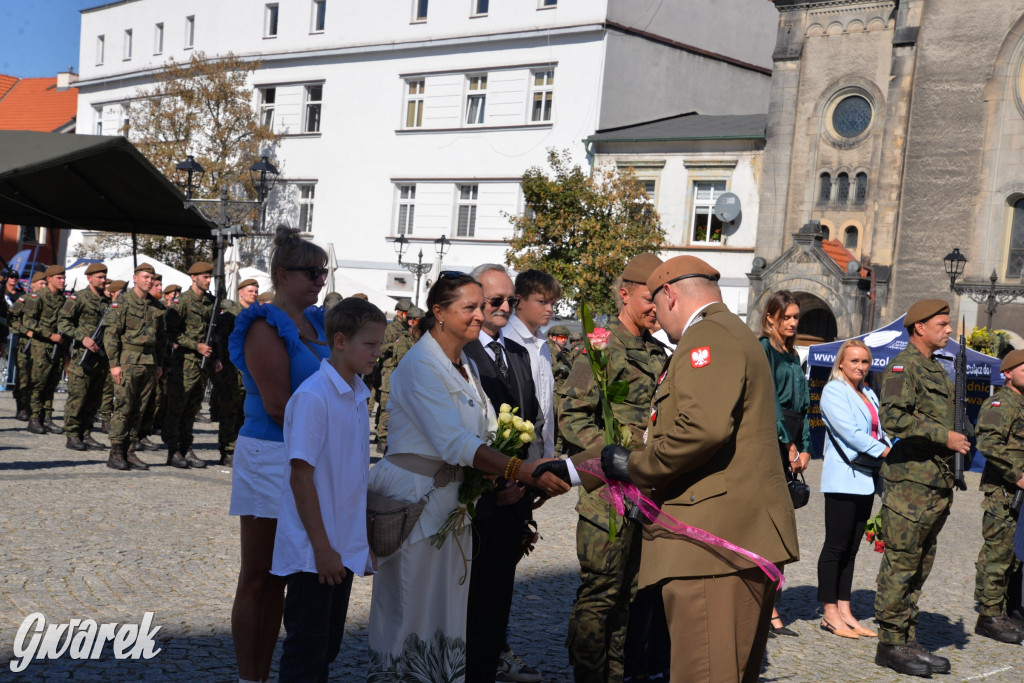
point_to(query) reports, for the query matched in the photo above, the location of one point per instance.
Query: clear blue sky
(40, 37)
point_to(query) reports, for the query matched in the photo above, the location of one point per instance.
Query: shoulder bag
(389, 522)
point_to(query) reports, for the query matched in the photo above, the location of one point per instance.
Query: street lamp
(419, 269)
(991, 296)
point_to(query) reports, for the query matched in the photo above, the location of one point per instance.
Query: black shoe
(93, 443)
(227, 457)
(75, 443)
(193, 460)
(998, 628)
(35, 427)
(147, 445)
(22, 415)
(938, 665)
(900, 658)
(176, 459)
(781, 630)
(382, 447)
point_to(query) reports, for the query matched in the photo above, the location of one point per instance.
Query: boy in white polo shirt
(321, 531)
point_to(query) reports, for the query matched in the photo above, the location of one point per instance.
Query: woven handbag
(389, 522)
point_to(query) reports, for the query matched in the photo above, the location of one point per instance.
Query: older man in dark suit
(502, 516)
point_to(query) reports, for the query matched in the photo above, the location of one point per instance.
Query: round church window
(851, 116)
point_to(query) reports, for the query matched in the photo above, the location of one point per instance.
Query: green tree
(204, 108)
(582, 228)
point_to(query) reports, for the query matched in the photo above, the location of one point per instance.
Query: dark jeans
(314, 618)
(845, 516)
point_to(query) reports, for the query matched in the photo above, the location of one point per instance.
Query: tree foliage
(582, 229)
(204, 108)
(992, 343)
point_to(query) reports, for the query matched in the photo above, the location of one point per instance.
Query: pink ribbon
(617, 492)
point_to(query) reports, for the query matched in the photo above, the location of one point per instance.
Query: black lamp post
(419, 269)
(991, 295)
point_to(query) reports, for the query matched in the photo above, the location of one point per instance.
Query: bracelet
(512, 468)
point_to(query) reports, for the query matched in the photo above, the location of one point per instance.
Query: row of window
(850, 236)
(272, 14)
(838, 192)
(466, 196)
(128, 44)
(478, 8)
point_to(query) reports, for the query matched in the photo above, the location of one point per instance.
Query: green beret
(923, 310)
(1012, 360)
(38, 276)
(245, 283)
(54, 270)
(641, 267)
(200, 267)
(94, 268)
(144, 268)
(172, 289)
(116, 286)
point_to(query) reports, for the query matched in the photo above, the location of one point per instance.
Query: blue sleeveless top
(304, 360)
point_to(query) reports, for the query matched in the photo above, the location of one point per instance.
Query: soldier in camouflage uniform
(387, 364)
(147, 425)
(153, 423)
(1001, 440)
(229, 379)
(47, 359)
(561, 363)
(114, 289)
(608, 568)
(135, 343)
(188, 379)
(23, 361)
(916, 408)
(78, 320)
(407, 339)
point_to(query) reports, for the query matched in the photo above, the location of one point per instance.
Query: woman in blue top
(276, 346)
(850, 411)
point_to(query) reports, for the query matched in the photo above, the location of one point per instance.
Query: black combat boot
(133, 460)
(938, 665)
(146, 445)
(116, 459)
(998, 628)
(35, 426)
(105, 426)
(52, 428)
(901, 658)
(75, 443)
(193, 460)
(22, 415)
(176, 459)
(93, 443)
(227, 456)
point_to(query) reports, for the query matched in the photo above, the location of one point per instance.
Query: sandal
(861, 631)
(781, 630)
(842, 632)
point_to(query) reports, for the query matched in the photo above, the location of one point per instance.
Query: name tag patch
(700, 357)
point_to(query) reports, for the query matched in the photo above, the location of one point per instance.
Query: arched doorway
(817, 322)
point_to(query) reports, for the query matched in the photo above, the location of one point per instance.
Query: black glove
(555, 467)
(614, 461)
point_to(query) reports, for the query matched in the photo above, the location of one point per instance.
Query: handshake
(614, 461)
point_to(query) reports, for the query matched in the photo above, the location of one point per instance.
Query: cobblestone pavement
(81, 541)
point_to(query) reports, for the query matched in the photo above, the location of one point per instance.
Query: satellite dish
(727, 208)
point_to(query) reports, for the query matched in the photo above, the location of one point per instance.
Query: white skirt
(258, 473)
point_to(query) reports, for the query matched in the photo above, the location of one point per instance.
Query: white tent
(250, 273)
(124, 267)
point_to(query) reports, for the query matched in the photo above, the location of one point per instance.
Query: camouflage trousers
(382, 415)
(130, 397)
(107, 403)
(185, 388)
(996, 557)
(155, 410)
(22, 385)
(231, 391)
(44, 376)
(912, 517)
(85, 394)
(608, 575)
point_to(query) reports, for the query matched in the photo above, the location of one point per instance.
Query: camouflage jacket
(392, 333)
(637, 360)
(1001, 440)
(403, 345)
(135, 331)
(41, 317)
(917, 408)
(17, 312)
(188, 327)
(561, 365)
(81, 314)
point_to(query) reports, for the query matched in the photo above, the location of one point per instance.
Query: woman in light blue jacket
(850, 411)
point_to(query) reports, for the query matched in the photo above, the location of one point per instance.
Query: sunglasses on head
(313, 272)
(496, 301)
(450, 274)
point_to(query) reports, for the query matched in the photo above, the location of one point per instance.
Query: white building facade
(417, 118)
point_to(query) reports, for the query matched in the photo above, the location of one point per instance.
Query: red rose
(879, 546)
(871, 536)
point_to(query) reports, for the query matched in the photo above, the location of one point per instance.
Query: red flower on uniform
(879, 546)
(599, 338)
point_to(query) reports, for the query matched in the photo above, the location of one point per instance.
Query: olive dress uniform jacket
(712, 456)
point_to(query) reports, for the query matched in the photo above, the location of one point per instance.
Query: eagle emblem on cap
(700, 357)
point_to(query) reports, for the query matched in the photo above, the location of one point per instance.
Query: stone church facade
(897, 128)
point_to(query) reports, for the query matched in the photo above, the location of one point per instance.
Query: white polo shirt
(543, 377)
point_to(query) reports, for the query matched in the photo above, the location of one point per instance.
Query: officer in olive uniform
(1001, 440)
(114, 289)
(79, 319)
(608, 569)
(229, 379)
(387, 364)
(46, 351)
(188, 379)
(916, 408)
(135, 343)
(23, 362)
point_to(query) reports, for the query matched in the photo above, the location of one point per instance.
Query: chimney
(66, 78)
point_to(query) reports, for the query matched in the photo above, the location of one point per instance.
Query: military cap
(116, 286)
(38, 276)
(172, 289)
(245, 283)
(923, 310)
(144, 268)
(360, 295)
(640, 267)
(680, 268)
(93, 268)
(404, 304)
(331, 299)
(200, 267)
(562, 330)
(158, 277)
(575, 336)
(416, 312)
(1012, 360)
(54, 270)
(265, 297)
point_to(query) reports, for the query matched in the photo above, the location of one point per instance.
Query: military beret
(923, 310)
(640, 267)
(158, 277)
(116, 286)
(265, 297)
(404, 304)
(331, 299)
(38, 276)
(360, 295)
(93, 268)
(144, 268)
(562, 330)
(680, 268)
(171, 289)
(416, 312)
(54, 270)
(200, 267)
(575, 336)
(1012, 360)
(245, 283)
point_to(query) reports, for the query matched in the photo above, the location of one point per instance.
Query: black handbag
(799, 491)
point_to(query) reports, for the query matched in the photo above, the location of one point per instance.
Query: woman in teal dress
(792, 394)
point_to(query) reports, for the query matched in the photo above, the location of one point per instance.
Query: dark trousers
(845, 516)
(497, 542)
(314, 618)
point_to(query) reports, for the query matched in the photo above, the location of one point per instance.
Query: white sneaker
(512, 668)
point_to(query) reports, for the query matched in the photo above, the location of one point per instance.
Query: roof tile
(35, 104)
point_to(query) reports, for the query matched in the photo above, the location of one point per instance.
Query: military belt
(138, 348)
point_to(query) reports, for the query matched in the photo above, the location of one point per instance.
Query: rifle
(59, 347)
(960, 408)
(1015, 504)
(211, 329)
(88, 360)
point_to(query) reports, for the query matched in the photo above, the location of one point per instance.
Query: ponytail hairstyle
(292, 250)
(774, 309)
(443, 293)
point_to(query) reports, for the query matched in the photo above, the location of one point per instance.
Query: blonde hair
(837, 373)
(291, 250)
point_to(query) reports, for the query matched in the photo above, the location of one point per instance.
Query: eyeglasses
(496, 301)
(450, 274)
(313, 272)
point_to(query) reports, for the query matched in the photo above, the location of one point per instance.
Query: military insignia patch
(700, 357)
(897, 368)
(995, 404)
